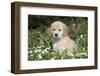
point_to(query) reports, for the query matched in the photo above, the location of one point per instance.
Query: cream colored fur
(62, 41)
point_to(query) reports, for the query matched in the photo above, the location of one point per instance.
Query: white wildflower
(31, 55)
(33, 47)
(83, 54)
(37, 50)
(81, 36)
(53, 53)
(52, 58)
(30, 52)
(39, 56)
(42, 46)
(83, 49)
(45, 50)
(39, 47)
(62, 58)
(48, 48)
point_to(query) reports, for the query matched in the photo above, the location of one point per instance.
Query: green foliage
(40, 45)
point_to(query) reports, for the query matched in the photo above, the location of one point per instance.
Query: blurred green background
(40, 44)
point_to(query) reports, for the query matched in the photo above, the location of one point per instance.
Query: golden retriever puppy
(60, 39)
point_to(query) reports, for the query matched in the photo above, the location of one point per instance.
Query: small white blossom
(39, 47)
(81, 36)
(53, 53)
(33, 47)
(37, 50)
(80, 54)
(52, 58)
(83, 54)
(39, 56)
(31, 55)
(62, 58)
(83, 49)
(45, 50)
(48, 48)
(30, 52)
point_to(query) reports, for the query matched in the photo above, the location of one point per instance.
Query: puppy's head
(58, 30)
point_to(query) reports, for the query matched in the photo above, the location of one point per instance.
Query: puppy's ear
(65, 30)
(49, 31)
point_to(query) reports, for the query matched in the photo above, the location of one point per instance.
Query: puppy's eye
(53, 29)
(59, 29)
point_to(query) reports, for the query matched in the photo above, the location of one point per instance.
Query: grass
(40, 45)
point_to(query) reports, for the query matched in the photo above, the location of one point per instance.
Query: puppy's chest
(61, 45)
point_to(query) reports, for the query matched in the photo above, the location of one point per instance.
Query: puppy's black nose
(56, 35)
